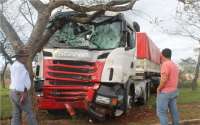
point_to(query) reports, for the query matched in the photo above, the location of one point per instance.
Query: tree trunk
(2, 81)
(31, 74)
(196, 75)
(3, 76)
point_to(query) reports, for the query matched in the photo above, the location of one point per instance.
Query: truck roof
(96, 20)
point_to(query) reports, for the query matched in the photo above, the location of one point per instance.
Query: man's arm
(163, 80)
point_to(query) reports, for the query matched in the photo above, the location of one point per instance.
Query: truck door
(130, 48)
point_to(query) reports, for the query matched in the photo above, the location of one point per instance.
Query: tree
(40, 34)
(188, 65)
(187, 24)
(190, 15)
(5, 47)
(6, 50)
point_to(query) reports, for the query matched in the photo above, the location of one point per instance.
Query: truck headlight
(39, 94)
(102, 100)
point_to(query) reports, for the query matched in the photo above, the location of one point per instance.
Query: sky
(147, 13)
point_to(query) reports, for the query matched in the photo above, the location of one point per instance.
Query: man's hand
(162, 82)
(158, 91)
(23, 97)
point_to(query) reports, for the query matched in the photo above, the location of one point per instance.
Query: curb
(185, 122)
(190, 121)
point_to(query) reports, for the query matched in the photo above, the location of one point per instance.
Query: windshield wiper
(79, 47)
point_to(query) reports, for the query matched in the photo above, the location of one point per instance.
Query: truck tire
(129, 99)
(130, 95)
(147, 93)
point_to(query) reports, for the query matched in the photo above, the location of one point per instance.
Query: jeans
(164, 102)
(18, 108)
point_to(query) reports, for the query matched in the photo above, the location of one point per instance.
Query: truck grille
(69, 80)
(66, 83)
(70, 94)
(69, 70)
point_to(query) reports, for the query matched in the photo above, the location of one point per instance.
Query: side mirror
(136, 26)
(37, 70)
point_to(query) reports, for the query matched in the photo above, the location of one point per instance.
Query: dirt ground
(143, 115)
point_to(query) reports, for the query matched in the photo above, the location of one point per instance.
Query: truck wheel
(129, 99)
(145, 95)
(130, 95)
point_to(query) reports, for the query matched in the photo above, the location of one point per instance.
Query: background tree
(188, 65)
(189, 17)
(6, 50)
(187, 24)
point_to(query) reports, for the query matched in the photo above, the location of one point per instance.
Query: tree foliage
(188, 15)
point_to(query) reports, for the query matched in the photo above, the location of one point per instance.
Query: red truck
(103, 67)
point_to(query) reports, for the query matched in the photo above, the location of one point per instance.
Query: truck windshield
(87, 36)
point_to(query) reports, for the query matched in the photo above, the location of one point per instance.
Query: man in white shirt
(20, 85)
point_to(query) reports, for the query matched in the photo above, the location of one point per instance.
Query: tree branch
(44, 38)
(29, 10)
(39, 28)
(122, 8)
(38, 5)
(187, 34)
(111, 6)
(10, 32)
(86, 19)
(113, 3)
(5, 54)
(3, 51)
(26, 18)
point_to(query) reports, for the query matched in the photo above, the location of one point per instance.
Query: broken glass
(87, 36)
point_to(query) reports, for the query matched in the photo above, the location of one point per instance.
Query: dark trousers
(18, 108)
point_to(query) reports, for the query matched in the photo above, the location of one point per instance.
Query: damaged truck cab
(103, 67)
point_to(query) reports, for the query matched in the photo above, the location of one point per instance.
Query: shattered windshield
(75, 35)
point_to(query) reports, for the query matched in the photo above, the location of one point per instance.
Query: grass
(187, 96)
(4, 91)
(5, 104)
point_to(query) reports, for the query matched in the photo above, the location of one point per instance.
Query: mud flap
(70, 109)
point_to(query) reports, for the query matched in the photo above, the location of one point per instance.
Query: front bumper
(49, 104)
